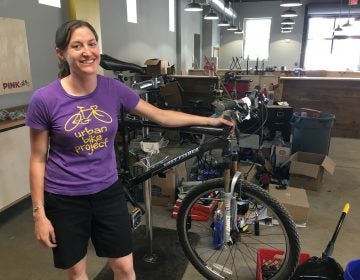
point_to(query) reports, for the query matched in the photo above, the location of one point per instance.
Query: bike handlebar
(241, 107)
(209, 130)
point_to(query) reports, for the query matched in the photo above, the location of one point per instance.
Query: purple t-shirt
(82, 130)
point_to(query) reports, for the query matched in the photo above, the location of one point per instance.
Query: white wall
(135, 43)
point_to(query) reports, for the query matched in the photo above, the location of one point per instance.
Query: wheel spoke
(239, 260)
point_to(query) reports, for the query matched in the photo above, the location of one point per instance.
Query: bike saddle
(109, 63)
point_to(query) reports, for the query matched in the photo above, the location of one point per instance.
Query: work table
(336, 95)
(11, 124)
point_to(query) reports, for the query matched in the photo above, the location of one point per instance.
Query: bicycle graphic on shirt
(84, 116)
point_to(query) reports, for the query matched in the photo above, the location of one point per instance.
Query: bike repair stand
(150, 256)
(153, 156)
(147, 162)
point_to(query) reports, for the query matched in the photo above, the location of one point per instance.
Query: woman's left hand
(222, 121)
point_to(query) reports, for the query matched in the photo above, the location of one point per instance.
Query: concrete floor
(23, 258)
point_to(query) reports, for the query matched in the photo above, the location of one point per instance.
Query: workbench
(336, 95)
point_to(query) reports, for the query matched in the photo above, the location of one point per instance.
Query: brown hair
(62, 39)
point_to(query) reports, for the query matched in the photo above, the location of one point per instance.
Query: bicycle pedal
(135, 218)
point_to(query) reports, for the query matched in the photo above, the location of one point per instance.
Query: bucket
(352, 271)
(311, 134)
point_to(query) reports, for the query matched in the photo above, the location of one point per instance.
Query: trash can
(311, 134)
(352, 271)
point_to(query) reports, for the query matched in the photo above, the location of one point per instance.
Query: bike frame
(220, 140)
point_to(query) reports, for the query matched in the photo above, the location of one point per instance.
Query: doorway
(196, 59)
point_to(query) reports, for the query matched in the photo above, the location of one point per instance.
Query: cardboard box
(247, 170)
(295, 200)
(279, 155)
(156, 66)
(163, 186)
(307, 169)
(266, 149)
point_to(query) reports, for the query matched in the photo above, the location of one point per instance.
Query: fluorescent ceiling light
(288, 21)
(211, 15)
(289, 13)
(232, 27)
(290, 3)
(238, 31)
(338, 28)
(223, 22)
(193, 7)
(347, 24)
(287, 27)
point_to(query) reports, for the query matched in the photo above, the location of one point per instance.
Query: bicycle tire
(207, 260)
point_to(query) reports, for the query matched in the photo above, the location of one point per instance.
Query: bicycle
(251, 219)
(240, 221)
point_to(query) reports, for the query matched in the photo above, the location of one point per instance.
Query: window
(327, 49)
(131, 11)
(257, 38)
(54, 3)
(172, 15)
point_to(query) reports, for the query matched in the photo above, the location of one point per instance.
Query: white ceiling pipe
(219, 6)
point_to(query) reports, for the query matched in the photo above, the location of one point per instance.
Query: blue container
(311, 134)
(352, 271)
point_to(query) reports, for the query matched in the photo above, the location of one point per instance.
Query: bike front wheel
(265, 244)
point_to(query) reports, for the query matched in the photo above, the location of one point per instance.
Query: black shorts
(103, 217)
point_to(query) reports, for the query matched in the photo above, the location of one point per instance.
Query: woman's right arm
(39, 141)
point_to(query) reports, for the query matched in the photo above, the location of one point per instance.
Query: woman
(73, 178)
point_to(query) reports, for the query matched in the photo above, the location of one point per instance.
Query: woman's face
(82, 53)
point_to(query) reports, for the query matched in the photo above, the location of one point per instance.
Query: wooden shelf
(11, 124)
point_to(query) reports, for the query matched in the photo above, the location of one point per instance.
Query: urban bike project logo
(92, 138)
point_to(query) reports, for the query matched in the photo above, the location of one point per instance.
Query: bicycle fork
(230, 206)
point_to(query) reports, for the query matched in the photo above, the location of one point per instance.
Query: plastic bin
(311, 134)
(352, 270)
(272, 258)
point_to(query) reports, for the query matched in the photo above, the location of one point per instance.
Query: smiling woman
(75, 182)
